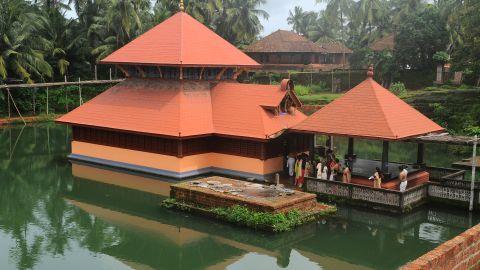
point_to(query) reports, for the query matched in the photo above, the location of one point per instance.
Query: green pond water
(50, 219)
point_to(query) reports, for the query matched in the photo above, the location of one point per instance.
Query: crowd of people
(330, 168)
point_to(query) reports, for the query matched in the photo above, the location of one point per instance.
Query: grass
(319, 99)
(324, 97)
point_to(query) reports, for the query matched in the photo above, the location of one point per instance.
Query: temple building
(180, 111)
(286, 50)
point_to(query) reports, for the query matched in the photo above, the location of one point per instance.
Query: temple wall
(201, 162)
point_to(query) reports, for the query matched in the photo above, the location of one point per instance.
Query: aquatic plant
(241, 215)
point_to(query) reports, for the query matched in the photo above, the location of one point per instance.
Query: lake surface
(50, 219)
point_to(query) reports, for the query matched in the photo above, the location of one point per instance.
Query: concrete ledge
(158, 172)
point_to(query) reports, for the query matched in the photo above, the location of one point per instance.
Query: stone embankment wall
(461, 252)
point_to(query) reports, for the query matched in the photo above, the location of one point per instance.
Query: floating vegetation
(266, 221)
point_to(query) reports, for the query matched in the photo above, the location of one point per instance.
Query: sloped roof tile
(180, 40)
(284, 41)
(186, 108)
(369, 111)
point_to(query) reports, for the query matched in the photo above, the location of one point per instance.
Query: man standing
(291, 165)
(403, 178)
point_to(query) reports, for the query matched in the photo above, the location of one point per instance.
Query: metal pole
(34, 101)
(47, 100)
(8, 104)
(110, 74)
(96, 72)
(80, 101)
(474, 166)
(332, 81)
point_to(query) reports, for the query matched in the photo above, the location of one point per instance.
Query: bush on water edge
(241, 215)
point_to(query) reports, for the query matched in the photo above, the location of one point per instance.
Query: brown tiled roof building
(283, 50)
(385, 43)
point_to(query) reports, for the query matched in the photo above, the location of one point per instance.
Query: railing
(454, 178)
(390, 200)
(439, 173)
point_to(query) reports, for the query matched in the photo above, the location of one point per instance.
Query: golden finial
(182, 6)
(370, 71)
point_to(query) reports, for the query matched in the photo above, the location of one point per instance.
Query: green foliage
(398, 89)
(320, 87)
(419, 37)
(472, 130)
(319, 99)
(441, 57)
(258, 220)
(302, 90)
(241, 215)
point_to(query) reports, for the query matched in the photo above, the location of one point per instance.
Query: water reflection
(50, 219)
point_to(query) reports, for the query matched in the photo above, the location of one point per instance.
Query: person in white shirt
(403, 178)
(291, 165)
(319, 169)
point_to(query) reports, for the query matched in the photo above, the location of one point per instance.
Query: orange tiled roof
(180, 40)
(369, 111)
(186, 108)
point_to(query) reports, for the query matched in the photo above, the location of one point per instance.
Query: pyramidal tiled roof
(369, 111)
(180, 40)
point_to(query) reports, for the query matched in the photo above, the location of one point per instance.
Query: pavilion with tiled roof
(181, 112)
(369, 111)
(288, 50)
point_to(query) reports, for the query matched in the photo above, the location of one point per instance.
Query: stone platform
(218, 191)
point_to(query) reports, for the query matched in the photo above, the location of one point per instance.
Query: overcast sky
(278, 10)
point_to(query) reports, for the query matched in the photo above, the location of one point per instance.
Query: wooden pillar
(350, 146)
(180, 148)
(386, 145)
(420, 153)
(312, 149)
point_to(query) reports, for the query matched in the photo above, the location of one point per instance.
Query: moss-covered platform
(270, 208)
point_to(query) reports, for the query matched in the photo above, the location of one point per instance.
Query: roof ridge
(382, 105)
(181, 38)
(179, 107)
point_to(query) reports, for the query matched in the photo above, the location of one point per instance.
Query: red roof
(369, 111)
(180, 40)
(187, 108)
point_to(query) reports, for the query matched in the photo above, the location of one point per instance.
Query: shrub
(279, 222)
(320, 87)
(398, 89)
(302, 90)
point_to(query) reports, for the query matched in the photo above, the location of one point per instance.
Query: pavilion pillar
(420, 154)
(350, 147)
(312, 148)
(386, 145)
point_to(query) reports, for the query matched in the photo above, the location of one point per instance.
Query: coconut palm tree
(337, 11)
(372, 12)
(22, 47)
(239, 20)
(301, 21)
